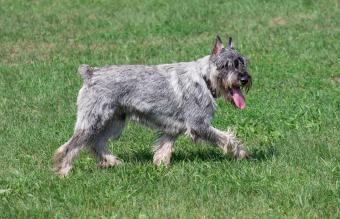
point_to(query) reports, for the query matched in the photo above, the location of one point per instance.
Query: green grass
(291, 124)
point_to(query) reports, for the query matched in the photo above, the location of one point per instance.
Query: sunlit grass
(291, 124)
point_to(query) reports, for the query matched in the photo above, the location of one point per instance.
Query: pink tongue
(238, 98)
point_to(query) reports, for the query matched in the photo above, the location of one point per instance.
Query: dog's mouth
(236, 97)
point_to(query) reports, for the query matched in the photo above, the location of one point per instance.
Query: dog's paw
(161, 158)
(161, 162)
(60, 165)
(243, 154)
(62, 171)
(109, 161)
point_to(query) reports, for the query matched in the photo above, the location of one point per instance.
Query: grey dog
(172, 98)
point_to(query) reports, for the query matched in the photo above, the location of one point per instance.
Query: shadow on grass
(211, 154)
(208, 154)
(263, 154)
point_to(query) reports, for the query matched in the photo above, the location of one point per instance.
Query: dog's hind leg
(65, 154)
(113, 130)
(90, 121)
(163, 150)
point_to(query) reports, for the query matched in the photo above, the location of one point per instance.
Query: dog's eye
(236, 63)
(241, 60)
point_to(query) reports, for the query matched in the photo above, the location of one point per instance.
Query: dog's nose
(244, 80)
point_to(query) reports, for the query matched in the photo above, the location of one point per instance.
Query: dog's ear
(230, 43)
(218, 46)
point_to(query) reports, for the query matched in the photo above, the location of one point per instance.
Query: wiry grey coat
(172, 98)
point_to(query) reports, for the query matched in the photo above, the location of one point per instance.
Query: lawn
(291, 124)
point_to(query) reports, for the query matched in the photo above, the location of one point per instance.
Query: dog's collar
(208, 83)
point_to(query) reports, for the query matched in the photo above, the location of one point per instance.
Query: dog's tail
(85, 71)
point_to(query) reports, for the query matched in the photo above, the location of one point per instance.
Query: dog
(175, 99)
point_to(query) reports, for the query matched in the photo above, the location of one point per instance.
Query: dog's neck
(207, 71)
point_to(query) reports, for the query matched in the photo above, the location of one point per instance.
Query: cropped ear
(230, 43)
(218, 46)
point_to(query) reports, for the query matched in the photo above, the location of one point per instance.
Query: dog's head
(231, 73)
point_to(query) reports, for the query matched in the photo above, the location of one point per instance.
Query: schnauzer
(172, 98)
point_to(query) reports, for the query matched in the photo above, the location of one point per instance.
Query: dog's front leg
(163, 150)
(226, 140)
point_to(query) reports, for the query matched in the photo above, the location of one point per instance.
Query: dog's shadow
(264, 154)
(210, 154)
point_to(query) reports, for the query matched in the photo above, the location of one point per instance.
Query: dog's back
(169, 93)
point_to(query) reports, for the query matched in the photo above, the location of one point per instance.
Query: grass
(291, 124)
